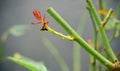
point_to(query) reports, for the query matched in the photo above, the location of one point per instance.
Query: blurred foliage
(16, 30)
(113, 24)
(28, 63)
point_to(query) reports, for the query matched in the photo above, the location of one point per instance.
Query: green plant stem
(93, 59)
(78, 39)
(101, 8)
(92, 63)
(101, 4)
(55, 53)
(60, 34)
(102, 32)
(107, 17)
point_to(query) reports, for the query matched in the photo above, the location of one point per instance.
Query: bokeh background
(13, 12)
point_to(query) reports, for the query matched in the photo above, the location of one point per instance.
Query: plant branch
(107, 17)
(78, 39)
(93, 59)
(101, 8)
(60, 34)
(101, 4)
(102, 32)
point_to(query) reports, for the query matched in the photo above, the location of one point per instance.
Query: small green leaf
(18, 30)
(28, 63)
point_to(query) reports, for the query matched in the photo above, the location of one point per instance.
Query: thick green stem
(102, 32)
(78, 39)
(93, 59)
